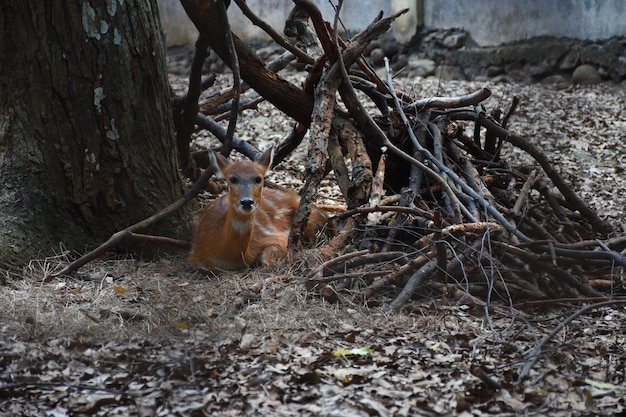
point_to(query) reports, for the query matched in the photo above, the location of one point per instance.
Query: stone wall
(557, 61)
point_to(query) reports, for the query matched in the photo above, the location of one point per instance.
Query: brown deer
(250, 224)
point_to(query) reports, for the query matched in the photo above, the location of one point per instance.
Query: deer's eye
(258, 179)
(233, 180)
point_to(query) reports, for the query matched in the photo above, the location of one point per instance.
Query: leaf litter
(130, 337)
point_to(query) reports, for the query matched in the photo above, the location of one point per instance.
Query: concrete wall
(355, 14)
(176, 24)
(493, 22)
(490, 22)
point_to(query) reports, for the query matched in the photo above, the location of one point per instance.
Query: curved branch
(533, 355)
(299, 53)
(288, 98)
(319, 24)
(190, 107)
(451, 102)
(234, 65)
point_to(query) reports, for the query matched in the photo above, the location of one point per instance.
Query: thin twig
(299, 53)
(451, 102)
(220, 133)
(190, 106)
(378, 182)
(460, 229)
(315, 281)
(392, 277)
(522, 198)
(533, 355)
(365, 210)
(234, 66)
(416, 279)
(355, 261)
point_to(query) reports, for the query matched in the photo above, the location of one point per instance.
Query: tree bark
(86, 133)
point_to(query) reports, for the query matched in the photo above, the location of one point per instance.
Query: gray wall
(493, 22)
(490, 22)
(356, 14)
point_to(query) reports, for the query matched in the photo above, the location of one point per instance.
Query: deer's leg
(272, 254)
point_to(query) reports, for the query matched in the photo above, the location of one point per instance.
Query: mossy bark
(86, 134)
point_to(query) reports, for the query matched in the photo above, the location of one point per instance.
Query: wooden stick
(130, 231)
(451, 102)
(299, 53)
(190, 108)
(533, 355)
(522, 198)
(378, 183)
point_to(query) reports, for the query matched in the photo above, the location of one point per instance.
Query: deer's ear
(266, 159)
(218, 162)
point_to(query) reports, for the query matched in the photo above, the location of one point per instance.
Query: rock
(179, 59)
(502, 78)
(381, 73)
(512, 66)
(532, 60)
(421, 67)
(377, 55)
(517, 75)
(217, 67)
(454, 41)
(266, 52)
(449, 72)
(401, 61)
(586, 75)
(391, 49)
(556, 81)
(370, 47)
(540, 70)
(569, 61)
(493, 70)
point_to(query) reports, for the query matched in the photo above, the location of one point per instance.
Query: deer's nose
(246, 203)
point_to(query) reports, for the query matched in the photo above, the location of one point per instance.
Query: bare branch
(471, 99)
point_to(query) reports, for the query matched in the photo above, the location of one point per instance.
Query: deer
(250, 224)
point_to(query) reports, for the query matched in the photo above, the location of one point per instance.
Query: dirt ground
(127, 337)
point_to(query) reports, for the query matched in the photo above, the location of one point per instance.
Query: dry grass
(117, 299)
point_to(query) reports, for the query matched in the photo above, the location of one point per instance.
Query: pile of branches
(430, 209)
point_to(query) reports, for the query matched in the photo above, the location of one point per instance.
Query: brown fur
(230, 237)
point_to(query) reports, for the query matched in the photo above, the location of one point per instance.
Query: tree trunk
(86, 134)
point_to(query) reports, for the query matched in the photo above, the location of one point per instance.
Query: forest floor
(128, 337)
